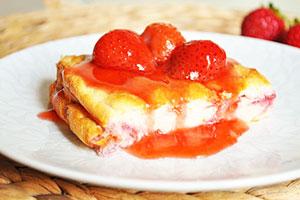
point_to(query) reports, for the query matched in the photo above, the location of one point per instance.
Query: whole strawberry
(198, 60)
(123, 49)
(264, 23)
(161, 39)
(293, 35)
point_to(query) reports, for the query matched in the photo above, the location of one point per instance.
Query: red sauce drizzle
(227, 81)
(139, 84)
(191, 142)
(50, 115)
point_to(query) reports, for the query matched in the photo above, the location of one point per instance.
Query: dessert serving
(158, 95)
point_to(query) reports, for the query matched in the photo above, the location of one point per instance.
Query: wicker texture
(21, 183)
(23, 30)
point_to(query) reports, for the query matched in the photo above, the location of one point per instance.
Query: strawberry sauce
(50, 115)
(191, 142)
(142, 85)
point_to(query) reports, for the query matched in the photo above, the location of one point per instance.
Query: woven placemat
(59, 21)
(22, 30)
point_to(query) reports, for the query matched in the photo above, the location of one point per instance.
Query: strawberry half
(161, 39)
(199, 60)
(264, 23)
(123, 49)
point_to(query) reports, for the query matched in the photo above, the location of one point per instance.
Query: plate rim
(157, 185)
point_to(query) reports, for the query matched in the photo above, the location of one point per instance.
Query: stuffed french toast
(157, 95)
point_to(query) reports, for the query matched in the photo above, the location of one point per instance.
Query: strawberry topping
(123, 49)
(199, 60)
(161, 39)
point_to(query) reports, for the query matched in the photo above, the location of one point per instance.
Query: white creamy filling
(130, 127)
(248, 110)
(257, 91)
(252, 103)
(199, 112)
(127, 127)
(194, 113)
(163, 119)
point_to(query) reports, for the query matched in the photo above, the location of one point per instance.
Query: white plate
(267, 153)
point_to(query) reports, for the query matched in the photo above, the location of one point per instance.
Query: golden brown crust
(79, 121)
(254, 78)
(100, 103)
(84, 127)
(52, 89)
(243, 77)
(66, 107)
(66, 62)
(59, 103)
(91, 99)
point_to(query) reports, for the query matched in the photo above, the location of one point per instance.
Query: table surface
(23, 30)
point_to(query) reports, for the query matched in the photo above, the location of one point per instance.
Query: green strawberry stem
(279, 14)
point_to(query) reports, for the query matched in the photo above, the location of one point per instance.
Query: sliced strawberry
(199, 60)
(161, 39)
(123, 49)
